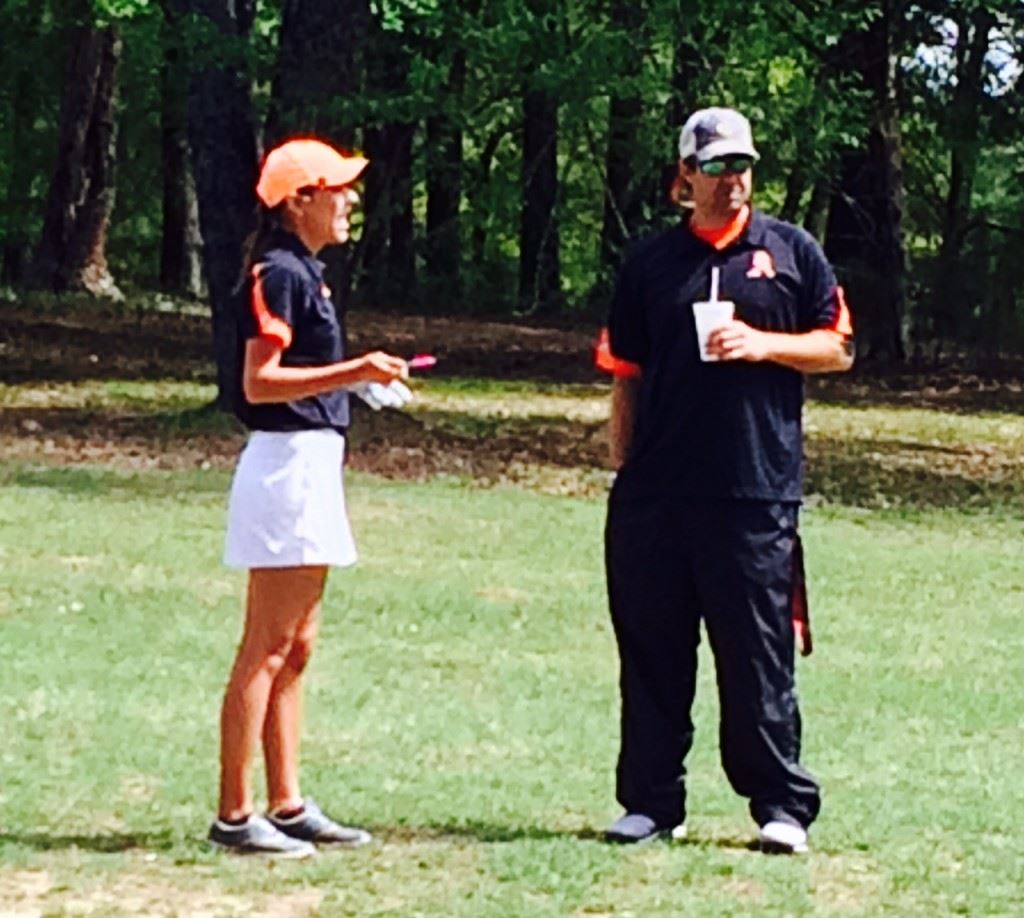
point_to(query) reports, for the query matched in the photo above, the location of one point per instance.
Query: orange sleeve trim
(607, 362)
(724, 236)
(843, 323)
(269, 325)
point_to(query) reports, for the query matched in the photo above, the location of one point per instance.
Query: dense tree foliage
(519, 146)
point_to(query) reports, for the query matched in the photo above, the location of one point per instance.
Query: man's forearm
(820, 351)
(623, 414)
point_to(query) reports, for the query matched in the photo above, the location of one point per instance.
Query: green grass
(463, 703)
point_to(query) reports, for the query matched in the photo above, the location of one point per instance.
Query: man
(702, 516)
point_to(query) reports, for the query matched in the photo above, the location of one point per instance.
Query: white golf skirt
(287, 504)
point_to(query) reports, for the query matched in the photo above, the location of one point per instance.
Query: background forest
(518, 145)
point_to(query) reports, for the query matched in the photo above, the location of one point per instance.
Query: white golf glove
(377, 395)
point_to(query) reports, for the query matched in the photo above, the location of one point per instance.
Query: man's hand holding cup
(710, 315)
(720, 335)
(738, 341)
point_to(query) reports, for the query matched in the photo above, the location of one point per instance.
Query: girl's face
(321, 217)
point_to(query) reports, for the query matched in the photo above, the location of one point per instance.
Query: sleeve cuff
(267, 324)
(607, 362)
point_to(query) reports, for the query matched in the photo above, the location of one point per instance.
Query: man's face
(721, 186)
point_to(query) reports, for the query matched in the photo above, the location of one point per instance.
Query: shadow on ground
(100, 843)
(548, 452)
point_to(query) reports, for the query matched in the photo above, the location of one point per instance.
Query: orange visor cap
(307, 163)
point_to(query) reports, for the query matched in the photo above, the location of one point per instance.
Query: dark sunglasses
(734, 165)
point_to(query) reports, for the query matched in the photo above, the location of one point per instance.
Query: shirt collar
(753, 234)
(288, 241)
(757, 230)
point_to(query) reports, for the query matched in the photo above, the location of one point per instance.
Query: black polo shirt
(718, 430)
(289, 302)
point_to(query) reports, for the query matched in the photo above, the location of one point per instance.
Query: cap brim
(726, 148)
(346, 172)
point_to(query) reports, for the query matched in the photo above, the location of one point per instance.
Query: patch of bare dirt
(87, 343)
(949, 388)
(559, 449)
(95, 343)
(71, 436)
(555, 455)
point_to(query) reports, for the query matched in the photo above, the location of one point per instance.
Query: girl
(286, 519)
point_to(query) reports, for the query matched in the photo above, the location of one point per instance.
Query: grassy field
(463, 704)
(463, 699)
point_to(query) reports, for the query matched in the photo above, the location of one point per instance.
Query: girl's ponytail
(268, 221)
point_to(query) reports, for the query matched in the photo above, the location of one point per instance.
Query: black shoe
(258, 836)
(638, 829)
(311, 825)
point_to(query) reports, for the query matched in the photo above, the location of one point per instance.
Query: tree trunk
(539, 268)
(444, 190)
(181, 268)
(624, 184)
(387, 267)
(952, 288)
(319, 72)
(72, 250)
(222, 138)
(372, 250)
(481, 175)
(386, 255)
(796, 184)
(401, 248)
(17, 200)
(863, 236)
(816, 215)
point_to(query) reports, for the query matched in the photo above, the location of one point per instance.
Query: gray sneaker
(257, 835)
(638, 829)
(312, 825)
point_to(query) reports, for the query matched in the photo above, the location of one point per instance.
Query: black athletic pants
(670, 563)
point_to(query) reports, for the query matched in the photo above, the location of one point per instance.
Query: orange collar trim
(723, 236)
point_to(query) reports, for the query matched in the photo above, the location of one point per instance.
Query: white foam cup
(708, 316)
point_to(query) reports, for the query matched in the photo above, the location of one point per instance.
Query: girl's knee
(265, 657)
(300, 653)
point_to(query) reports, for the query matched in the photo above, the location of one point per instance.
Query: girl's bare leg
(283, 724)
(281, 604)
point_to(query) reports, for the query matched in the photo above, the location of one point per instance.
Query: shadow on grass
(106, 483)
(560, 453)
(484, 442)
(484, 832)
(896, 473)
(122, 422)
(479, 832)
(491, 833)
(940, 389)
(100, 843)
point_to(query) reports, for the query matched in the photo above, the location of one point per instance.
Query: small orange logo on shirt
(761, 264)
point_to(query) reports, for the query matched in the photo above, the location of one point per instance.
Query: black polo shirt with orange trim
(288, 302)
(719, 430)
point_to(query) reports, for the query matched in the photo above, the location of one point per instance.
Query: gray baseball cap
(713, 132)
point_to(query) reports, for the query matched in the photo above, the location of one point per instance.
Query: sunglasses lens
(736, 166)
